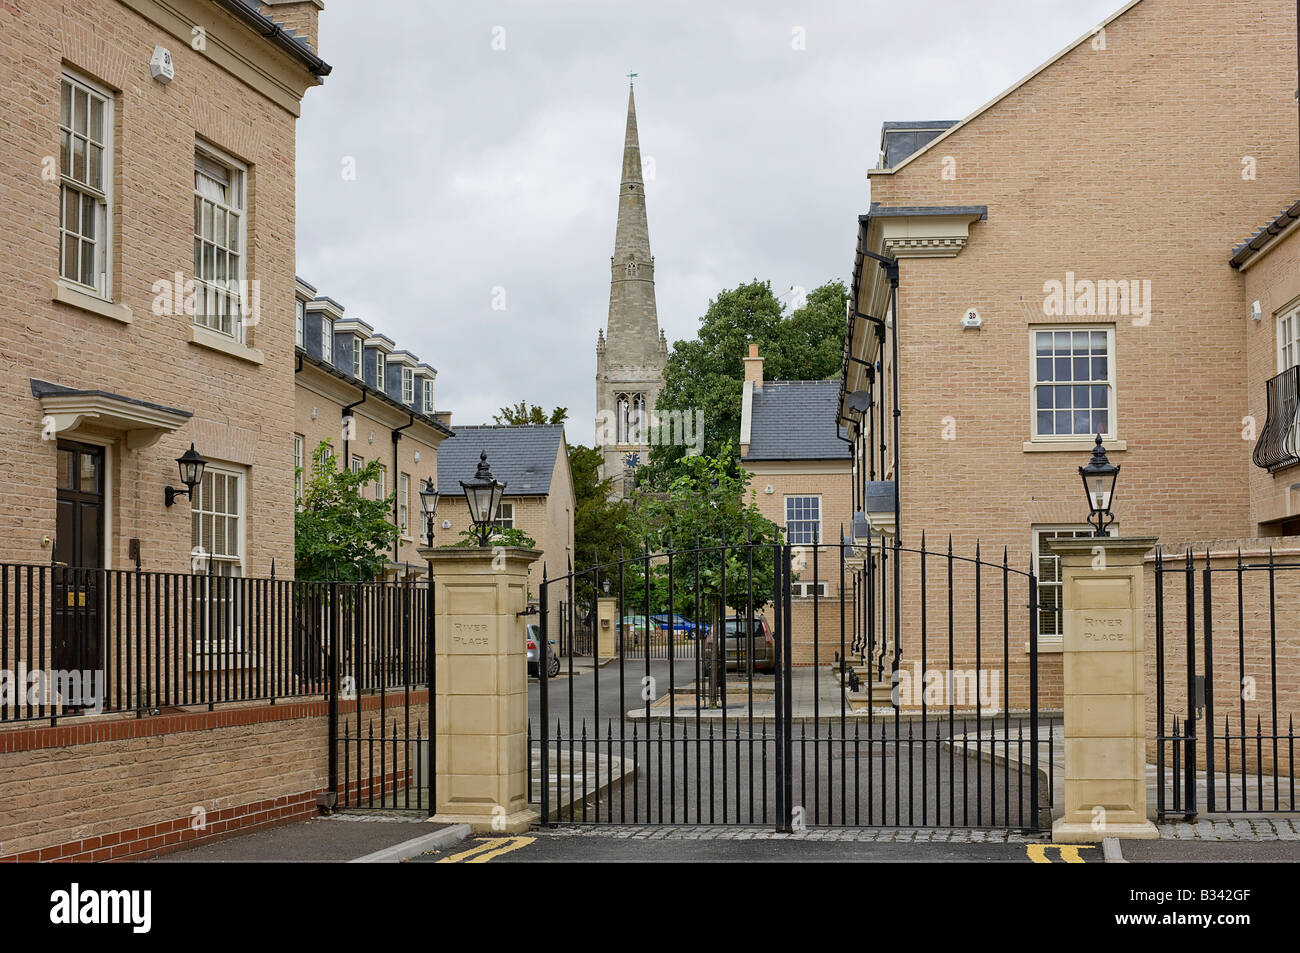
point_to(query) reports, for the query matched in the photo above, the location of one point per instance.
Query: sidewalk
(339, 839)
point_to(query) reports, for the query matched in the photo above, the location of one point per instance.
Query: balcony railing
(1278, 446)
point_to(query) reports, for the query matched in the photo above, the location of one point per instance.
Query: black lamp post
(483, 494)
(1099, 483)
(191, 465)
(429, 496)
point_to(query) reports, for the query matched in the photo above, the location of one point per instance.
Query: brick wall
(128, 788)
(239, 419)
(1078, 169)
(1272, 279)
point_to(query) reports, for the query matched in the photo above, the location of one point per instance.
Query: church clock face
(631, 460)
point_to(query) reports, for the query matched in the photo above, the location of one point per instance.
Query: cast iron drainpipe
(347, 412)
(397, 479)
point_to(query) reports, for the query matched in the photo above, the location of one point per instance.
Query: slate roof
(795, 420)
(1247, 249)
(523, 457)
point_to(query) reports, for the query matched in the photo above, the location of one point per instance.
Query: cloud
(480, 169)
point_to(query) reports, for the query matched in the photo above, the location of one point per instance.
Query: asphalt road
(544, 848)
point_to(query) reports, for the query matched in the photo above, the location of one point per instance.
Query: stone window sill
(93, 304)
(225, 345)
(1073, 446)
(1049, 645)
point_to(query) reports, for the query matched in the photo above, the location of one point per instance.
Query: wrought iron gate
(381, 730)
(813, 685)
(1226, 664)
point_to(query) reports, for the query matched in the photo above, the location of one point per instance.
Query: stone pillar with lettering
(481, 690)
(1105, 689)
(607, 626)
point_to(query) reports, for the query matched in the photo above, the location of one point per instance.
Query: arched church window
(621, 418)
(631, 269)
(638, 421)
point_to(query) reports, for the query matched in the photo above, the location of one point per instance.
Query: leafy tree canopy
(524, 413)
(705, 503)
(341, 531)
(708, 373)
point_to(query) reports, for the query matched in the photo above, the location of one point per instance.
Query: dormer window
(428, 396)
(408, 386)
(358, 350)
(327, 339)
(381, 369)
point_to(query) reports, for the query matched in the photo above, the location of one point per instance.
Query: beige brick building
(369, 401)
(149, 261)
(1064, 271)
(801, 467)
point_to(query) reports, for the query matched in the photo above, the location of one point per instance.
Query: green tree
(708, 373)
(707, 502)
(341, 531)
(599, 534)
(524, 413)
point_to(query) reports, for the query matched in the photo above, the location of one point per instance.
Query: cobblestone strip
(848, 835)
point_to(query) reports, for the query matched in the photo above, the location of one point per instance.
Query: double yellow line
(1069, 853)
(489, 848)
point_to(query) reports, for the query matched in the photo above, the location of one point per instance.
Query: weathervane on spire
(632, 76)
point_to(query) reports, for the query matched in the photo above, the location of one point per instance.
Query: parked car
(742, 643)
(680, 625)
(534, 635)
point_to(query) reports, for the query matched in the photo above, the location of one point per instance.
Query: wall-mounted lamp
(1256, 312)
(191, 465)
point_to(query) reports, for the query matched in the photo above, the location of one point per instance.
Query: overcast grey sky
(479, 168)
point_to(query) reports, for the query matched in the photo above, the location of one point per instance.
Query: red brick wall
(134, 787)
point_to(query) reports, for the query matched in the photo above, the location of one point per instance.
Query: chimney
(299, 16)
(754, 367)
(443, 417)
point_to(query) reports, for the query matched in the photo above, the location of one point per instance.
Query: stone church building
(631, 354)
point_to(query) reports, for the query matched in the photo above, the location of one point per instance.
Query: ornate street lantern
(191, 465)
(1099, 483)
(483, 494)
(429, 497)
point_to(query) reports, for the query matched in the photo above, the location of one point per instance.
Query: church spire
(633, 317)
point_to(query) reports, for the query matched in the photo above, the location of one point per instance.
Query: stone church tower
(630, 356)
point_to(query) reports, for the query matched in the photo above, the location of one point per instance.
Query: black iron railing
(1278, 446)
(77, 642)
(1225, 676)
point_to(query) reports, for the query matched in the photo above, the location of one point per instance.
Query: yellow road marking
(488, 848)
(1069, 853)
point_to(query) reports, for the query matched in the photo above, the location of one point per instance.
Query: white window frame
(408, 386)
(231, 289)
(299, 322)
(381, 483)
(427, 403)
(404, 503)
(1066, 531)
(1112, 432)
(327, 339)
(357, 463)
(1288, 338)
(299, 463)
(817, 522)
(233, 566)
(358, 357)
(381, 370)
(102, 198)
(505, 521)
